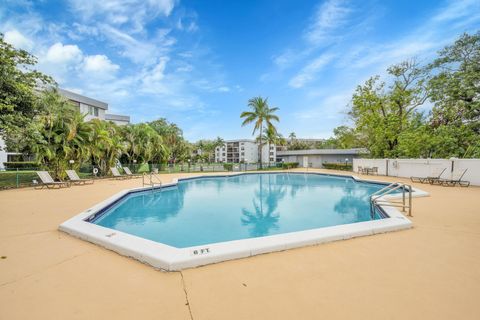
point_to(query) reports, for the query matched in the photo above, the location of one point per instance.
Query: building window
(93, 111)
(242, 148)
(223, 154)
(242, 154)
(75, 103)
(271, 153)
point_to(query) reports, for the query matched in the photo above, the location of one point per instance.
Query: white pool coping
(169, 258)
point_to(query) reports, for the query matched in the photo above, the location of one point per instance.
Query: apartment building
(92, 108)
(244, 150)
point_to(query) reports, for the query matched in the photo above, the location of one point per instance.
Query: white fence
(422, 167)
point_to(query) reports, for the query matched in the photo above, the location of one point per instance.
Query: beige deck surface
(429, 272)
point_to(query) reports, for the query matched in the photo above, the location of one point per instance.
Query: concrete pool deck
(429, 272)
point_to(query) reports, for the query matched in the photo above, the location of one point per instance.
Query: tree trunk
(260, 147)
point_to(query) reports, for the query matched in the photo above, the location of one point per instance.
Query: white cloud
(224, 89)
(99, 64)
(152, 79)
(18, 40)
(308, 73)
(457, 9)
(329, 16)
(145, 52)
(136, 13)
(63, 54)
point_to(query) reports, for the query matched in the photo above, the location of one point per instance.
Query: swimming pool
(217, 209)
(202, 220)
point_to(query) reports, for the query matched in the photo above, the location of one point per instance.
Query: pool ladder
(377, 199)
(150, 181)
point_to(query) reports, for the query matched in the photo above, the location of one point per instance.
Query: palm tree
(62, 135)
(261, 114)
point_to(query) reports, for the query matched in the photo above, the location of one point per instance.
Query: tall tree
(261, 115)
(455, 91)
(383, 113)
(18, 95)
(61, 135)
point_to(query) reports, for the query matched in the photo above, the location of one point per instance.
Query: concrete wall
(422, 167)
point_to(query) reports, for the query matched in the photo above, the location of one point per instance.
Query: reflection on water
(264, 216)
(353, 202)
(156, 205)
(208, 210)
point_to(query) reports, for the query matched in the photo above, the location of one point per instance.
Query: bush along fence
(23, 174)
(338, 166)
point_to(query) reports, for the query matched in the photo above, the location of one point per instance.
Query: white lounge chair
(75, 179)
(116, 174)
(47, 181)
(129, 173)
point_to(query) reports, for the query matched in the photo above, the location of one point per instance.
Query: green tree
(18, 95)
(106, 144)
(261, 115)
(455, 91)
(61, 134)
(176, 147)
(382, 113)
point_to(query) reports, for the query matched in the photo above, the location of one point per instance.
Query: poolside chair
(436, 174)
(116, 174)
(360, 169)
(47, 181)
(456, 179)
(75, 179)
(129, 173)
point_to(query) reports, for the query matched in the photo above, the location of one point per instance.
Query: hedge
(338, 166)
(228, 166)
(12, 165)
(289, 165)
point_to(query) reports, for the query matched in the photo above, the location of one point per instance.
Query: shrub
(23, 165)
(228, 166)
(289, 165)
(338, 166)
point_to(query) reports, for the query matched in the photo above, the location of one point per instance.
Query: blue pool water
(208, 210)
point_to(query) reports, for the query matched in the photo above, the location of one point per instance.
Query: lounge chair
(75, 179)
(116, 174)
(360, 169)
(436, 174)
(47, 181)
(129, 173)
(456, 179)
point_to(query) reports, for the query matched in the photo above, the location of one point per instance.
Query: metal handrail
(376, 198)
(151, 183)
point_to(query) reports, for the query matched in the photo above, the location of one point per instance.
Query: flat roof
(117, 117)
(321, 151)
(83, 99)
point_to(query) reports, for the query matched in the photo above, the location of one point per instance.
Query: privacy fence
(423, 167)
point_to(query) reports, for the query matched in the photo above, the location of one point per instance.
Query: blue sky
(198, 62)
